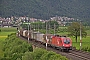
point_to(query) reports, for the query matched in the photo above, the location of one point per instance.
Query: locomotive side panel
(56, 41)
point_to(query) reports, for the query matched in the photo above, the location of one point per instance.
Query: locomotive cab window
(66, 41)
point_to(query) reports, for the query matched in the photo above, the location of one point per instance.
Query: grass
(88, 32)
(85, 42)
(62, 33)
(1, 45)
(62, 27)
(7, 31)
(3, 35)
(14, 29)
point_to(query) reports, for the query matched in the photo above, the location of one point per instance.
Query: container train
(61, 42)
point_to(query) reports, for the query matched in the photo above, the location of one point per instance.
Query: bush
(52, 56)
(42, 54)
(15, 48)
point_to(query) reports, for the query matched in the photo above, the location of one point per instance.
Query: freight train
(60, 42)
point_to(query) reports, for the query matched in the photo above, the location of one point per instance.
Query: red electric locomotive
(62, 43)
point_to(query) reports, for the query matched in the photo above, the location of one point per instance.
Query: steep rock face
(45, 8)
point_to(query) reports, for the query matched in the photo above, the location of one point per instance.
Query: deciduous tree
(74, 30)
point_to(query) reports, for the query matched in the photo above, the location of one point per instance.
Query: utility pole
(46, 35)
(1, 23)
(19, 29)
(54, 24)
(80, 37)
(49, 27)
(34, 26)
(30, 26)
(54, 28)
(38, 27)
(42, 26)
(28, 29)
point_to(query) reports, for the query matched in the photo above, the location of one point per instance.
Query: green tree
(52, 56)
(74, 30)
(28, 56)
(57, 57)
(38, 52)
(51, 23)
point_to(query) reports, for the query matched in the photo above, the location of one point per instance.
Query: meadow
(6, 31)
(1, 45)
(85, 42)
(3, 35)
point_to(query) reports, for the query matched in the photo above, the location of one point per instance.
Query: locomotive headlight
(70, 44)
(63, 44)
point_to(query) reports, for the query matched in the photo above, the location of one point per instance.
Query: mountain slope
(45, 8)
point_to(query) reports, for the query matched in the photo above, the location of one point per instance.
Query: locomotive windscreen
(66, 41)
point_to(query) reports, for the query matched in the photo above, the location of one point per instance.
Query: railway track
(72, 55)
(80, 57)
(80, 54)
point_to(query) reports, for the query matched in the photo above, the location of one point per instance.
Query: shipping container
(32, 35)
(35, 35)
(24, 33)
(40, 37)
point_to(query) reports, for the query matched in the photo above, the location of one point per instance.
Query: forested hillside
(44, 9)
